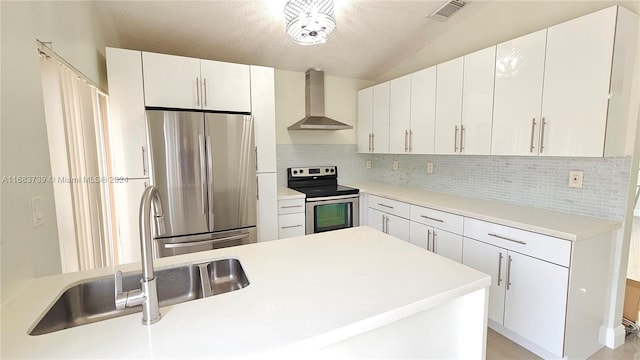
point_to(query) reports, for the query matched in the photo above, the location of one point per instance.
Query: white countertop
(284, 193)
(305, 293)
(547, 222)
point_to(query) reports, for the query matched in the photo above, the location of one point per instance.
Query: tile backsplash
(539, 182)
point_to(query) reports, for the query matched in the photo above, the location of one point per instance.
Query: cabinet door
(420, 235)
(381, 118)
(364, 128)
(127, 129)
(399, 114)
(225, 86)
(448, 106)
(490, 260)
(447, 244)
(291, 225)
(127, 207)
(398, 227)
(536, 301)
(375, 218)
(171, 81)
(518, 95)
(477, 102)
(267, 206)
(576, 85)
(263, 109)
(423, 111)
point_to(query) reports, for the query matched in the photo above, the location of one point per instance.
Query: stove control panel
(301, 172)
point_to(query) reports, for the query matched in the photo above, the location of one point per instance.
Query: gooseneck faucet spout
(148, 295)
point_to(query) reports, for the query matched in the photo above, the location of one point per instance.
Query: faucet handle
(120, 297)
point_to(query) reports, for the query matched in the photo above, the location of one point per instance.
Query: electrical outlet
(575, 178)
(37, 211)
(367, 164)
(429, 168)
(395, 164)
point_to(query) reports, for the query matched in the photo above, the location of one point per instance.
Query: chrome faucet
(148, 294)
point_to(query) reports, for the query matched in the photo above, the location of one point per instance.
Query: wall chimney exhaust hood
(314, 106)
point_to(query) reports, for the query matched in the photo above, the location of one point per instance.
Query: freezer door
(231, 169)
(177, 144)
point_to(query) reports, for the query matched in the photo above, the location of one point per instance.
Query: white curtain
(75, 112)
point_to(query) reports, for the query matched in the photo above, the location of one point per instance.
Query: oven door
(331, 213)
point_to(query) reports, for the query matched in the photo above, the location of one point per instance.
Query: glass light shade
(309, 22)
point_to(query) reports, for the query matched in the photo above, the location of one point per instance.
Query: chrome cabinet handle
(197, 91)
(373, 142)
(387, 206)
(204, 91)
(428, 240)
(461, 138)
(144, 161)
(430, 218)
(384, 230)
(435, 242)
(406, 140)
(500, 257)
(455, 140)
(291, 206)
(509, 273)
(544, 123)
(410, 140)
(508, 239)
(203, 174)
(369, 142)
(533, 130)
(291, 226)
(387, 225)
(256, 150)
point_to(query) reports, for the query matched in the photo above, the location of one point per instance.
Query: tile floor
(499, 348)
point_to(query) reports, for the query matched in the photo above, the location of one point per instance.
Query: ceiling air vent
(447, 9)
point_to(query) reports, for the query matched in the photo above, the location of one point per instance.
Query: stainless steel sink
(94, 300)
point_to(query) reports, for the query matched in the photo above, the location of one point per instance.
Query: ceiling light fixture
(309, 22)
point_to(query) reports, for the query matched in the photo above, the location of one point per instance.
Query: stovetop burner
(317, 182)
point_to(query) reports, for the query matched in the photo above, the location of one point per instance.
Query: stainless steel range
(329, 206)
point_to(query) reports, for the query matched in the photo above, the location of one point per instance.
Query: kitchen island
(349, 293)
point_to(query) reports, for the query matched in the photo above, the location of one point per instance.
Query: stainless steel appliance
(329, 206)
(203, 165)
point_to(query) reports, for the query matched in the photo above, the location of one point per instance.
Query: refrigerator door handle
(206, 242)
(210, 181)
(203, 175)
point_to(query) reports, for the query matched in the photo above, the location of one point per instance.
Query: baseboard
(612, 337)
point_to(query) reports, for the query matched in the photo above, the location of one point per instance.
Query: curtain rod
(46, 48)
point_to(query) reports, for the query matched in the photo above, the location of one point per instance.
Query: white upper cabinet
(448, 106)
(477, 102)
(423, 111)
(127, 129)
(171, 81)
(380, 136)
(364, 127)
(186, 83)
(263, 100)
(225, 86)
(399, 114)
(576, 85)
(518, 95)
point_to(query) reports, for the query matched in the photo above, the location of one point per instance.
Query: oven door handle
(339, 197)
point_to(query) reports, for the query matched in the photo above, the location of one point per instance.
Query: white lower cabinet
(528, 295)
(389, 224)
(436, 240)
(291, 218)
(267, 206)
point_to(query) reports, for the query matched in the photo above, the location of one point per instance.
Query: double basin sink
(94, 300)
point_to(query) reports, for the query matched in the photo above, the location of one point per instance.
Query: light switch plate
(429, 168)
(575, 178)
(367, 164)
(37, 211)
(395, 164)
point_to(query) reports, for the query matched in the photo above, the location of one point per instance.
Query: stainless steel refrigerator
(204, 165)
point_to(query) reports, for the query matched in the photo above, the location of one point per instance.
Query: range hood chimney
(314, 106)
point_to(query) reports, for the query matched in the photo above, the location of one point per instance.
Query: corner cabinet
(187, 83)
(389, 216)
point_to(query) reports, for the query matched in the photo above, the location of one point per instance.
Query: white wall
(25, 251)
(340, 104)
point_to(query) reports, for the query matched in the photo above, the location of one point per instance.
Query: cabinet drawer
(438, 219)
(290, 225)
(290, 206)
(543, 247)
(389, 206)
